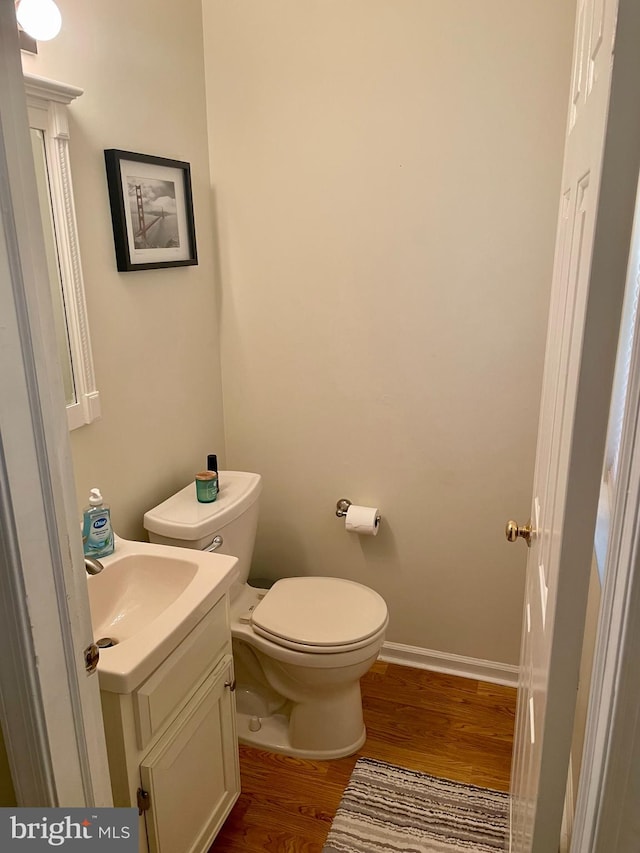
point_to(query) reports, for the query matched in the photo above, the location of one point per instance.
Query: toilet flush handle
(215, 543)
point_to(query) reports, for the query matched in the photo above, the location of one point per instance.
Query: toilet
(300, 647)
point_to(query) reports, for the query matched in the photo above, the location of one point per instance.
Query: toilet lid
(314, 611)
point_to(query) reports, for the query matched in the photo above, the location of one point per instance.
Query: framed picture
(151, 211)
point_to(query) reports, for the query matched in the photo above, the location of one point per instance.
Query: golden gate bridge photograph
(153, 213)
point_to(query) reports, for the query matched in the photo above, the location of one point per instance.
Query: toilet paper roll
(363, 520)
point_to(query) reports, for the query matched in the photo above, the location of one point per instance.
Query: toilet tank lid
(182, 516)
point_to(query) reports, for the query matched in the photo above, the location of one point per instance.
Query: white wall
(386, 179)
(154, 333)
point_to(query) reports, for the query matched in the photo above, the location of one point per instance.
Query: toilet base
(273, 736)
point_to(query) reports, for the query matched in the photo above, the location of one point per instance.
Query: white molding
(47, 105)
(613, 732)
(607, 807)
(49, 90)
(465, 667)
(612, 739)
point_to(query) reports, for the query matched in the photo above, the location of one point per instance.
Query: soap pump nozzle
(95, 498)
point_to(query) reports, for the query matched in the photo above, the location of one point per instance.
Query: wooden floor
(457, 728)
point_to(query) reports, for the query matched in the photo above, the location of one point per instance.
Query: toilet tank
(183, 521)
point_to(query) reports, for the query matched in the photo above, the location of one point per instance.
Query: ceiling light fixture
(41, 19)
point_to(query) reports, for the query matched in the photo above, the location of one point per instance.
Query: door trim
(51, 717)
(612, 739)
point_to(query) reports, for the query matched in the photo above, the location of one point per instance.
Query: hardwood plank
(458, 728)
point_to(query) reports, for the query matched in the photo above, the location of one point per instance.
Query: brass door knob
(512, 532)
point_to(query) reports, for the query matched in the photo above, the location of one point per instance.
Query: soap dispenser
(97, 535)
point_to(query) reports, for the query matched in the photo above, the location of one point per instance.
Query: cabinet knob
(231, 684)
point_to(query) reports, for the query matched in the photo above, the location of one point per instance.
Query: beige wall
(154, 333)
(386, 179)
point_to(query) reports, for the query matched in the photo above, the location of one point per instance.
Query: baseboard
(483, 670)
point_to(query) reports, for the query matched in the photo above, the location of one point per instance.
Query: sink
(134, 591)
(146, 600)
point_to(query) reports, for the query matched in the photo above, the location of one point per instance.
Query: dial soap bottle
(97, 535)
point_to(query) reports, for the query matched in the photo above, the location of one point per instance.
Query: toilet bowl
(299, 648)
(312, 654)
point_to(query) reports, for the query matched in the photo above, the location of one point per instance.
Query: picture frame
(151, 211)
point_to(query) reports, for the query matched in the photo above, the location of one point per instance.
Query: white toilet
(299, 648)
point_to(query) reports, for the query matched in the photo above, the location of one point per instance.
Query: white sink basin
(147, 599)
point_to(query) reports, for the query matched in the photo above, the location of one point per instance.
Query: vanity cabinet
(172, 743)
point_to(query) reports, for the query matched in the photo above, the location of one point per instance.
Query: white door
(588, 282)
(49, 705)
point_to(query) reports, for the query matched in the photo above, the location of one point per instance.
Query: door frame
(610, 775)
(609, 778)
(49, 707)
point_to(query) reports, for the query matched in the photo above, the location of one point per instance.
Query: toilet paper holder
(343, 505)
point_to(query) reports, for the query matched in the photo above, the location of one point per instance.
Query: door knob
(513, 531)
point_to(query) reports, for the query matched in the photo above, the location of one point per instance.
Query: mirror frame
(47, 102)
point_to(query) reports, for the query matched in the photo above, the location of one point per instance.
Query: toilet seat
(320, 615)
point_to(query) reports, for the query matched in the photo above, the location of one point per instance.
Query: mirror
(47, 103)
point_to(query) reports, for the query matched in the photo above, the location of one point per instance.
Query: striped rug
(387, 809)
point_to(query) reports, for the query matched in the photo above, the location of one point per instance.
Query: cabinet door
(192, 775)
